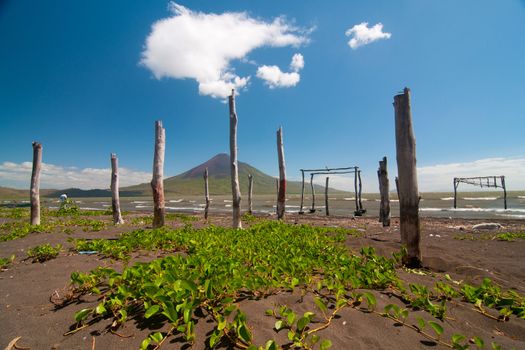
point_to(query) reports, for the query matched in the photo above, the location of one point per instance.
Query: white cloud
(363, 35)
(59, 177)
(275, 78)
(201, 46)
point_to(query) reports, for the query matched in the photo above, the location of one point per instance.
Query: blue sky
(87, 78)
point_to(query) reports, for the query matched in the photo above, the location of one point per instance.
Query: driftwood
(250, 192)
(35, 184)
(326, 197)
(384, 208)
(115, 198)
(206, 194)
(236, 191)
(157, 183)
(408, 189)
(281, 195)
(312, 210)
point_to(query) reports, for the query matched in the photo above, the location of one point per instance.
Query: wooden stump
(408, 189)
(250, 192)
(236, 191)
(281, 196)
(34, 192)
(157, 183)
(206, 194)
(384, 191)
(115, 198)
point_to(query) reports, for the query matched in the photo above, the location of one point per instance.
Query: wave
(185, 208)
(176, 200)
(521, 197)
(447, 198)
(480, 198)
(140, 202)
(143, 206)
(88, 208)
(477, 210)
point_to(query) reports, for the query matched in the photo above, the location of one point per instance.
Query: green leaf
(291, 335)
(325, 344)
(302, 323)
(370, 299)
(145, 343)
(100, 309)
(436, 327)
(244, 334)
(157, 337)
(269, 312)
(270, 345)
(479, 342)
(495, 346)
(290, 318)
(82, 314)
(279, 324)
(421, 323)
(215, 338)
(151, 311)
(456, 338)
(295, 281)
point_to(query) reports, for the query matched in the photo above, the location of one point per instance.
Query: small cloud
(362, 35)
(275, 78)
(60, 177)
(202, 46)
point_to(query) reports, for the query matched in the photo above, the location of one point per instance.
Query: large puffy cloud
(201, 46)
(362, 35)
(55, 176)
(274, 77)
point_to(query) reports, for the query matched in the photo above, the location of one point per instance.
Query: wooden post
(455, 192)
(276, 195)
(250, 192)
(157, 183)
(281, 197)
(312, 210)
(35, 184)
(206, 194)
(384, 191)
(408, 189)
(302, 193)
(236, 191)
(357, 212)
(397, 187)
(326, 197)
(504, 191)
(361, 210)
(115, 198)
(380, 193)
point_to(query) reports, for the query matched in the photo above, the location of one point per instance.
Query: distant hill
(191, 182)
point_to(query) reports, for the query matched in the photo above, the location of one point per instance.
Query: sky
(88, 78)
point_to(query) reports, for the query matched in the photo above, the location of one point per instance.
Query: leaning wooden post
(360, 191)
(408, 189)
(157, 183)
(385, 195)
(504, 191)
(302, 193)
(236, 191)
(250, 192)
(312, 210)
(326, 197)
(35, 184)
(281, 197)
(206, 194)
(115, 198)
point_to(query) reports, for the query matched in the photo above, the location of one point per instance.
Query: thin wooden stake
(302, 193)
(281, 196)
(504, 191)
(236, 191)
(456, 184)
(115, 198)
(361, 210)
(206, 194)
(357, 212)
(35, 184)
(312, 210)
(326, 197)
(250, 193)
(408, 189)
(157, 183)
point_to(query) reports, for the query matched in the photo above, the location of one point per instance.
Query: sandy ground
(26, 288)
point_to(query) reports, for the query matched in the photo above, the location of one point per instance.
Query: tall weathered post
(384, 190)
(456, 184)
(35, 184)
(250, 193)
(115, 198)
(408, 189)
(326, 197)
(504, 191)
(312, 210)
(206, 194)
(302, 193)
(236, 191)
(157, 183)
(361, 210)
(281, 197)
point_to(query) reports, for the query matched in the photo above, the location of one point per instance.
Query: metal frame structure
(482, 181)
(334, 171)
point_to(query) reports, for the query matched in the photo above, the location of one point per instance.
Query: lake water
(482, 205)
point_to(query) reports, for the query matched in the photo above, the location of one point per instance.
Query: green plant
(5, 262)
(44, 252)
(68, 207)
